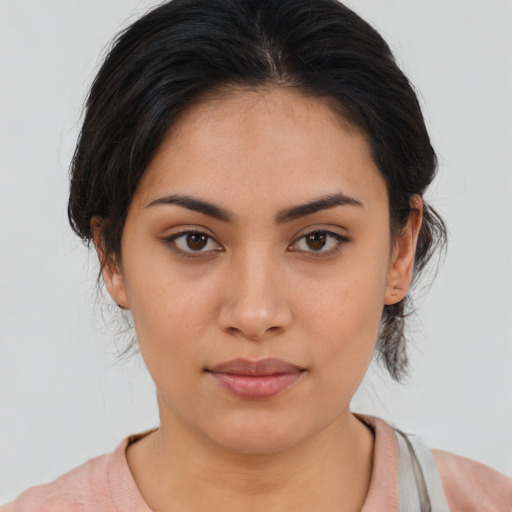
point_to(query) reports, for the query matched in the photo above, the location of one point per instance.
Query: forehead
(272, 145)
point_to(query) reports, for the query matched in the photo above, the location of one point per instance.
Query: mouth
(256, 380)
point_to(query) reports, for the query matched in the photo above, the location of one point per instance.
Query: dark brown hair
(183, 49)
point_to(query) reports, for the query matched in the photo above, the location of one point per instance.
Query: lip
(270, 366)
(256, 380)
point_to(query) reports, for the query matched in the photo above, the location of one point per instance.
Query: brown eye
(316, 241)
(320, 243)
(193, 243)
(197, 241)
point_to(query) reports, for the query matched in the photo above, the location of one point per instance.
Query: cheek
(344, 319)
(348, 322)
(171, 314)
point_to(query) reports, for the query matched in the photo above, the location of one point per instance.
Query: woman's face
(259, 231)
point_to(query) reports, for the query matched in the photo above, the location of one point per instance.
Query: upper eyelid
(204, 231)
(179, 234)
(322, 230)
(338, 236)
(187, 231)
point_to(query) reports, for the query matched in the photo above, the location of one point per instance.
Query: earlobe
(114, 282)
(402, 261)
(110, 268)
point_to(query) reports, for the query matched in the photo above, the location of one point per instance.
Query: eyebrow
(282, 217)
(322, 203)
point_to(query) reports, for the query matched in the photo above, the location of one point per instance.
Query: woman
(251, 174)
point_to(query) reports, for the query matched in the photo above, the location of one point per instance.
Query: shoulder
(104, 484)
(70, 492)
(471, 486)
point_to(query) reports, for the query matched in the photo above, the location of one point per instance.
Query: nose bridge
(255, 300)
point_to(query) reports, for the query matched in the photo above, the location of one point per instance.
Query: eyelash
(340, 239)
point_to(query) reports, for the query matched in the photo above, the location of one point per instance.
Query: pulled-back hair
(185, 49)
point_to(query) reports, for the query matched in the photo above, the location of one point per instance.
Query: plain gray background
(64, 397)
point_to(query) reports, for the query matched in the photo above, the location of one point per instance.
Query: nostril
(255, 335)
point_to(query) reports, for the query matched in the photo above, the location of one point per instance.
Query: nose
(255, 304)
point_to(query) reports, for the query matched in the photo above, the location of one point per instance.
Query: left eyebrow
(323, 203)
(283, 216)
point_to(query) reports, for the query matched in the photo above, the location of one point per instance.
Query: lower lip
(253, 387)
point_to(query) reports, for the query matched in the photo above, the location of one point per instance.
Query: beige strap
(419, 485)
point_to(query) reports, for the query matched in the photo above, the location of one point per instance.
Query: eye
(320, 243)
(190, 243)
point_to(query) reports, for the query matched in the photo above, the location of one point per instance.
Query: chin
(253, 437)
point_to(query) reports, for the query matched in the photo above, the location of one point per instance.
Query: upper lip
(270, 366)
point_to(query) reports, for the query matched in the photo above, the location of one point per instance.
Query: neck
(329, 471)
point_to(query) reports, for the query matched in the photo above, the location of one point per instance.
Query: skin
(258, 290)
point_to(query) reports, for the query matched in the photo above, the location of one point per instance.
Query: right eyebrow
(197, 205)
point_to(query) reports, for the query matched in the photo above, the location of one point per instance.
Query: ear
(404, 250)
(110, 267)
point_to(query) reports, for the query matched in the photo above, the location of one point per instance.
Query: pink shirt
(105, 484)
